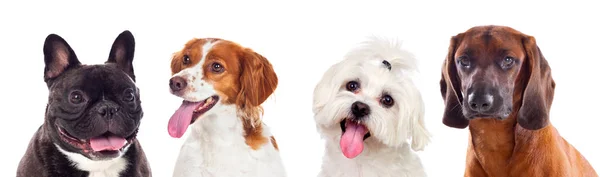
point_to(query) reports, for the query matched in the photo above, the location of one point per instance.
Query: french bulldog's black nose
(107, 110)
(177, 83)
(360, 109)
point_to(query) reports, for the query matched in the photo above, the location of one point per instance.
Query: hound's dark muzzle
(484, 101)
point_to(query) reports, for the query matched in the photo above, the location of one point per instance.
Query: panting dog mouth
(187, 113)
(106, 145)
(354, 133)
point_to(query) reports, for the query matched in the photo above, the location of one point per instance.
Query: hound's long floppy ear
(539, 91)
(450, 86)
(121, 53)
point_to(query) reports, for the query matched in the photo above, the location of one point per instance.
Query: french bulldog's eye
(387, 101)
(216, 67)
(352, 86)
(186, 59)
(76, 97)
(129, 95)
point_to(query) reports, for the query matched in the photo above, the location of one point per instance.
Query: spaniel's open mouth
(353, 136)
(187, 113)
(203, 106)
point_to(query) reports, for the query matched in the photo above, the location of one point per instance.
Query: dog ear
(420, 135)
(258, 79)
(58, 57)
(121, 53)
(539, 89)
(450, 86)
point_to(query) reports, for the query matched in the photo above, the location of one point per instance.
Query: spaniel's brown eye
(387, 101)
(216, 68)
(352, 86)
(186, 59)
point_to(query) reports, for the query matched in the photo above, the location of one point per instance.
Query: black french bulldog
(92, 116)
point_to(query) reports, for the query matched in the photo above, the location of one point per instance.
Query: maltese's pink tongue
(182, 118)
(102, 143)
(352, 139)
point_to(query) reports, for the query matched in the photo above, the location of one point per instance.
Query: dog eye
(464, 61)
(76, 97)
(129, 95)
(352, 86)
(186, 59)
(387, 101)
(216, 67)
(508, 62)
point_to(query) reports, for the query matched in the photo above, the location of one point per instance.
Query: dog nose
(107, 111)
(360, 109)
(177, 83)
(481, 102)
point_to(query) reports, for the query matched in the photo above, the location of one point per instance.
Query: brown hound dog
(496, 81)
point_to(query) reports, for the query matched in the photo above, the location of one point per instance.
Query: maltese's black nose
(360, 109)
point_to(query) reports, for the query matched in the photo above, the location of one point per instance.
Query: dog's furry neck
(495, 142)
(218, 145)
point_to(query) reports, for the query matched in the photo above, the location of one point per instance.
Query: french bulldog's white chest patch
(107, 168)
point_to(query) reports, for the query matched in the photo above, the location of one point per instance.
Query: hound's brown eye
(387, 101)
(352, 86)
(464, 61)
(186, 59)
(216, 67)
(508, 62)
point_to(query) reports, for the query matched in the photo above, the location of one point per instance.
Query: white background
(301, 39)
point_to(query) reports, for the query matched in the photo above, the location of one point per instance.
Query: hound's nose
(481, 102)
(177, 83)
(360, 109)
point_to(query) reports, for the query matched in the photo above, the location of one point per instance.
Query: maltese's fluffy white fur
(368, 109)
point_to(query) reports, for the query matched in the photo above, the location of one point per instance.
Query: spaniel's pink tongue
(352, 139)
(102, 143)
(182, 118)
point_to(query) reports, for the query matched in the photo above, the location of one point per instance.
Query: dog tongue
(182, 118)
(102, 143)
(352, 139)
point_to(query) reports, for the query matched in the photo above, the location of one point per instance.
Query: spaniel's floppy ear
(539, 90)
(257, 80)
(450, 86)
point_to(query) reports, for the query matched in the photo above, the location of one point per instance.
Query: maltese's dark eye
(352, 86)
(387, 101)
(76, 97)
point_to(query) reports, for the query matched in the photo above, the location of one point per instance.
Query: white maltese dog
(367, 108)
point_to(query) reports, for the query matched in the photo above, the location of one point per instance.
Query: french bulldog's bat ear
(58, 57)
(122, 52)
